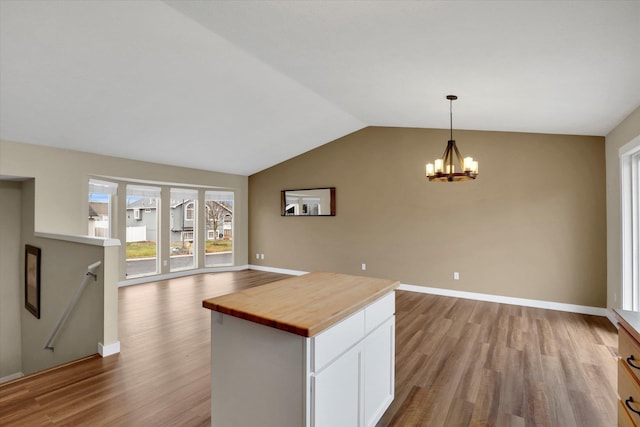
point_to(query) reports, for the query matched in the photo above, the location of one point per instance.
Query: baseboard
(277, 270)
(109, 349)
(11, 377)
(573, 308)
(176, 274)
(612, 317)
(549, 305)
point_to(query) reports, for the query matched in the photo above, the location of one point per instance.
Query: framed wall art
(32, 279)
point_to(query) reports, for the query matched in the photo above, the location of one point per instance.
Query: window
(630, 206)
(183, 228)
(189, 211)
(100, 204)
(219, 228)
(300, 204)
(142, 230)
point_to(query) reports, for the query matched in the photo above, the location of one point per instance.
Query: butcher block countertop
(304, 305)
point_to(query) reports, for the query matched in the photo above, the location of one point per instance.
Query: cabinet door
(337, 391)
(379, 371)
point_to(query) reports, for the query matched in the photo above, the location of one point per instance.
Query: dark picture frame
(305, 204)
(32, 279)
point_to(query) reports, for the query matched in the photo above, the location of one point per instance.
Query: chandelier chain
(451, 119)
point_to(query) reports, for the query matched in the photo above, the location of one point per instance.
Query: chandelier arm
(446, 158)
(459, 157)
(451, 144)
(446, 152)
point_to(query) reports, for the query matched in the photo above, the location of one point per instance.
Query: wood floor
(470, 363)
(459, 363)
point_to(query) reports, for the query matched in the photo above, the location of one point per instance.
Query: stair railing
(91, 273)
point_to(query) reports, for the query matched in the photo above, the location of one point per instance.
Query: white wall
(626, 131)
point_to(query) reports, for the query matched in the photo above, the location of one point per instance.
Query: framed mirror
(308, 202)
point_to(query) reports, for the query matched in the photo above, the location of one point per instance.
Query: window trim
(146, 191)
(221, 196)
(630, 224)
(109, 189)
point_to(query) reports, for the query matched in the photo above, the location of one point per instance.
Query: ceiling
(238, 86)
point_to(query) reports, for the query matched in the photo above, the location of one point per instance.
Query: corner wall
(624, 133)
(63, 268)
(54, 201)
(11, 290)
(531, 226)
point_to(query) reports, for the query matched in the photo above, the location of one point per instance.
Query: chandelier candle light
(444, 169)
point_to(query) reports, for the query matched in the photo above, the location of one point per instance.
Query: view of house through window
(142, 230)
(219, 228)
(183, 226)
(143, 223)
(100, 202)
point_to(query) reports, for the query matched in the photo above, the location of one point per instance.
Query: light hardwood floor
(459, 363)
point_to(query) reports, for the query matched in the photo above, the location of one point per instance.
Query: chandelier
(444, 169)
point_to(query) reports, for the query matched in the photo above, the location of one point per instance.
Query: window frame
(108, 189)
(144, 191)
(630, 224)
(218, 196)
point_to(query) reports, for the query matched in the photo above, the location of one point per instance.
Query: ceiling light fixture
(444, 169)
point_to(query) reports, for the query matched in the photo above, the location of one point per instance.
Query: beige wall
(56, 202)
(531, 226)
(62, 177)
(11, 299)
(63, 267)
(624, 133)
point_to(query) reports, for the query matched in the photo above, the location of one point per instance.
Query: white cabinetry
(337, 391)
(379, 380)
(341, 377)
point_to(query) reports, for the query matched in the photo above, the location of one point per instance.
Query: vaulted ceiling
(238, 86)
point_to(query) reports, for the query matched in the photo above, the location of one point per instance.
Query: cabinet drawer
(629, 350)
(378, 312)
(336, 340)
(629, 391)
(624, 420)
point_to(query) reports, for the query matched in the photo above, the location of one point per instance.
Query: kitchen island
(314, 350)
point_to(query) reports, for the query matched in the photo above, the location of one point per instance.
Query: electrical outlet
(364, 266)
(456, 275)
(164, 263)
(257, 256)
(261, 256)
